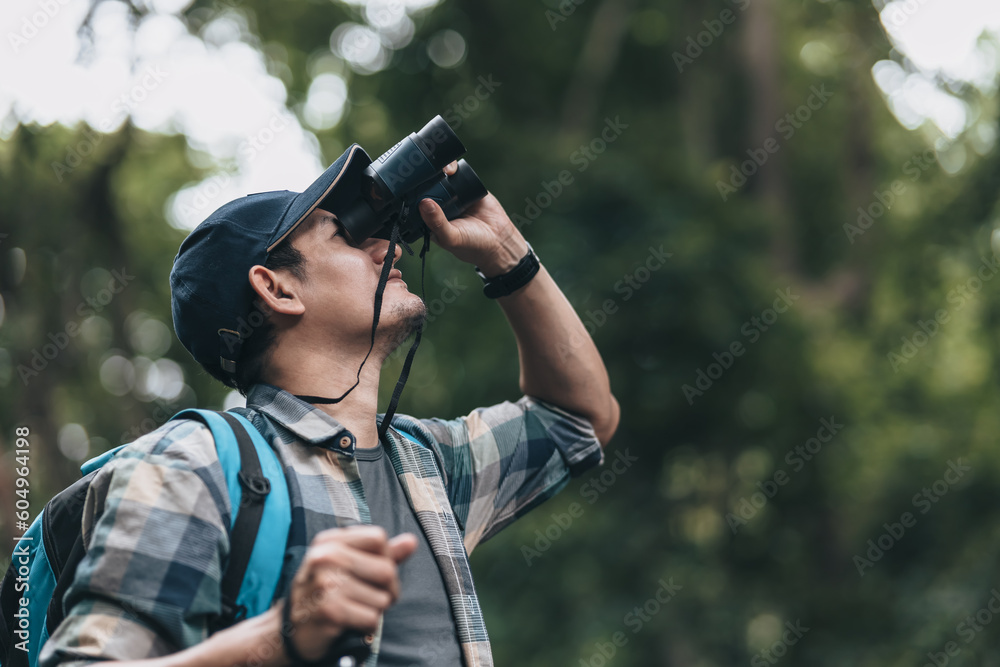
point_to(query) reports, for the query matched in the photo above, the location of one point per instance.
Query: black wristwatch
(513, 280)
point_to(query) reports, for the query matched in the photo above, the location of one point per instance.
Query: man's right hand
(348, 578)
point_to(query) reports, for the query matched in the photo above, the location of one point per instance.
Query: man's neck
(329, 376)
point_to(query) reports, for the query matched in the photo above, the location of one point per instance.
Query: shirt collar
(304, 420)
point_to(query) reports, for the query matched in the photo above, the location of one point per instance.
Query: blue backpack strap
(264, 564)
(99, 460)
(409, 436)
(268, 554)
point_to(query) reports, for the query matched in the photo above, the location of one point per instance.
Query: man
(272, 297)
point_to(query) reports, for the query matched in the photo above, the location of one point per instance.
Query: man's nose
(379, 249)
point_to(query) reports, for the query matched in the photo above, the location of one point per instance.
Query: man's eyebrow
(330, 219)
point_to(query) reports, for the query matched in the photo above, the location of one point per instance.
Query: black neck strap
(383, 279)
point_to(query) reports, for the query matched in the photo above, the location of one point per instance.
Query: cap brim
(335, 189)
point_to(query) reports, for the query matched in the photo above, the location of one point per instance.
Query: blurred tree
(720, 155)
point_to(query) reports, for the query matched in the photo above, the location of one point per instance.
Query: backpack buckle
(257, 486)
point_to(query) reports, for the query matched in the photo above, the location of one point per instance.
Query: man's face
(340, 282)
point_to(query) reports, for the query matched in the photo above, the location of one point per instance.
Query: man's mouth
(396, 274)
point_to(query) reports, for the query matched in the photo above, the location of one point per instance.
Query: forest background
(774, 216)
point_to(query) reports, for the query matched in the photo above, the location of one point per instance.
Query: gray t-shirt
(418, 630)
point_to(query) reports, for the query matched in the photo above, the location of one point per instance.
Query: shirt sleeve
(501, 461)
(156, 528)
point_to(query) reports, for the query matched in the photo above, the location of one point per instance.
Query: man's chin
(406, 317)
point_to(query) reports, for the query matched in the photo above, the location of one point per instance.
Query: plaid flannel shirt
(157, 516)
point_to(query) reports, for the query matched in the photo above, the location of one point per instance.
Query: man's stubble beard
(403, 320)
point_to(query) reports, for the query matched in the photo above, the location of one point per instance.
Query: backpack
(45, 560)
(46, 557)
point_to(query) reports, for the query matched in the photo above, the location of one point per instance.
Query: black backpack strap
(57, 608)
(64, 545)
(248, 516)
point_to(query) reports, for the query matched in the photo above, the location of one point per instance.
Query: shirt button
(345, 442)
(369, 639)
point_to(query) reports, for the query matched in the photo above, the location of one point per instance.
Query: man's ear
(278, 291)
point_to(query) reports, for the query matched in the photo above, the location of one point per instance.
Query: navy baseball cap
(212, 301)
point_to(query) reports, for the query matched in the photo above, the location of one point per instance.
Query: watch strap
(507, 283)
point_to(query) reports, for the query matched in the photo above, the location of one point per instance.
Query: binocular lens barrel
(412, 170)
(438, 142)
(418, 158)
(453, 193)
(464, 189)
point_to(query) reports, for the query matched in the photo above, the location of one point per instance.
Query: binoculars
(407, 173)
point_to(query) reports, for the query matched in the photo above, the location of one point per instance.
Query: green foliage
(685, 510)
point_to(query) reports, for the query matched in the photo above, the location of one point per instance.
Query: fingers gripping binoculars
(404, 175)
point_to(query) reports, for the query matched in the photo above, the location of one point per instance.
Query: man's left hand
(483, 236)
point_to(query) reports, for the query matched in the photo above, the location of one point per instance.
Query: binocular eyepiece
(407, 173)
